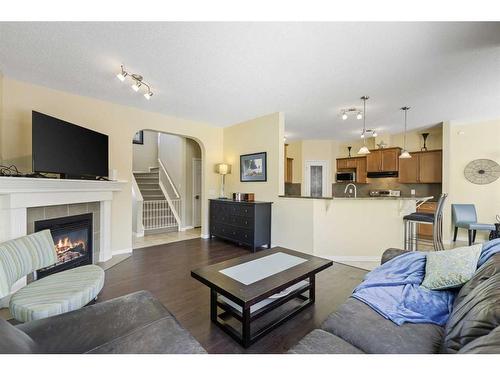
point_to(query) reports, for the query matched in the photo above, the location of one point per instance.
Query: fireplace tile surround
(65, 210)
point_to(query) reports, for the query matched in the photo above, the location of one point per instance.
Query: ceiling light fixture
(364, 150)
(404, 153)
(368, 133)
(345, 113)
(138, 82)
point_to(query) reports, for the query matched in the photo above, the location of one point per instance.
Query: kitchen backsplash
(421, 190)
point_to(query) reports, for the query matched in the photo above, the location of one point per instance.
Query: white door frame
(193, 161)
(326, 174)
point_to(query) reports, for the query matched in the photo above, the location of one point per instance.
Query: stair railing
(137, 209)
(175, 203)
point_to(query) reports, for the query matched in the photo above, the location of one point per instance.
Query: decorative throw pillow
(451, 268)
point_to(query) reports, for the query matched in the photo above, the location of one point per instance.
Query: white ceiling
(223, 73)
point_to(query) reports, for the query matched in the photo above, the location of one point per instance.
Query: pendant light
(405, 154)
(364, 150)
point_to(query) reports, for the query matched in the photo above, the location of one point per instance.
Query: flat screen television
(67, 149)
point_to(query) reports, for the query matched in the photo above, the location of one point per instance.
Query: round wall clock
(482, 171)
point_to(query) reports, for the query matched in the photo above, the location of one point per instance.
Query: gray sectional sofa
(135, 323)
(473, 326)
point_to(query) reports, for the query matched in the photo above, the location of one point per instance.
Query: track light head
(136, 86)
(148, 95)
(121, 76)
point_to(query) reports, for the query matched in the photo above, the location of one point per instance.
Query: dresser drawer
(241, 221)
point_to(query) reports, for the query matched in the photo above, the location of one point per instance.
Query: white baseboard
(183, 229)
(361, 258)
(204, 236)
(138, 234)
(122, 251)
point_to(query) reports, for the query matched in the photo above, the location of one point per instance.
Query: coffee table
(247, 288)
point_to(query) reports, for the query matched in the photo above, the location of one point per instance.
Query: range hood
(382, 174)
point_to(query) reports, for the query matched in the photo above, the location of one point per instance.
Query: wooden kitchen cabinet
(361, 170)
(383, 160)
(431, 167)
(424, 167)
(425, 230)
(357, 163)
(408, 169)
(341, 164)
(374, 161)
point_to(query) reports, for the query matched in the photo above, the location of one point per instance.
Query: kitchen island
(341, 228)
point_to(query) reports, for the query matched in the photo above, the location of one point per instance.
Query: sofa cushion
(476, 311)
(322, 342)
(164, 336)
(363, 327)
(15, 341)
(451, 268)
(82, 330)
(488, 344)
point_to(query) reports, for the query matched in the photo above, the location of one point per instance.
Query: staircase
(157, 216)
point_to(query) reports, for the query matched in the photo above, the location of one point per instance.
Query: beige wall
(258, 135)
(463, 144)
(294, 150)
(146, 155)
(414, 140)
(120, 123)
(356, 144)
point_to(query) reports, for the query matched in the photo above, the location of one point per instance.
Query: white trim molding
(17, 194)
(361, 258)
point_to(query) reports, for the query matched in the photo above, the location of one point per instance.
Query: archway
(167, 188)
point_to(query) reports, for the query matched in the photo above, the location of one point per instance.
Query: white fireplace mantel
(17, 194)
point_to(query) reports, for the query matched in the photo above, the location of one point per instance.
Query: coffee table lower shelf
(246, 316)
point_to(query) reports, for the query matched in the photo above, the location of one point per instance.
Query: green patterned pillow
(451, 268)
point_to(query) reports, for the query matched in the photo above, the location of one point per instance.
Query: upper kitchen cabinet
(431, 167)
(357, 163)
(424, 167)
(383, 160)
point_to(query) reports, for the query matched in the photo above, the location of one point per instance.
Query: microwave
(345, 177)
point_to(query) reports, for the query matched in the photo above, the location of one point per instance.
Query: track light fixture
(138, 82)
(345, 113)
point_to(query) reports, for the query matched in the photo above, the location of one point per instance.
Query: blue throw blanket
(394, 291)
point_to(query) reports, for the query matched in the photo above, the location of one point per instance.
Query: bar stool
(411, 222)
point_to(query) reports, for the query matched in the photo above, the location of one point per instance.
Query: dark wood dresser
(246, 223)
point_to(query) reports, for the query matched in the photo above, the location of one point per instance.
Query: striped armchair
(45, 297)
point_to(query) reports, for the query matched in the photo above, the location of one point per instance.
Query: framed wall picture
(253, 167)
(138, 138)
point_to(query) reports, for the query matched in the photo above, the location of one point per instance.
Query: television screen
(68, 149)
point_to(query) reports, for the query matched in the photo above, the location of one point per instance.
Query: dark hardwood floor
(164, 270)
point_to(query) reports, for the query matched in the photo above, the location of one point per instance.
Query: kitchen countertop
(361, 198)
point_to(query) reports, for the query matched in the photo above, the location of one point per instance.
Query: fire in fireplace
(72, 241)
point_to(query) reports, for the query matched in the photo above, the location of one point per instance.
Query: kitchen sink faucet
(350, 190)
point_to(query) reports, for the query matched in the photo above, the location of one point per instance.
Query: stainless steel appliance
(345, 177)
(385, 193)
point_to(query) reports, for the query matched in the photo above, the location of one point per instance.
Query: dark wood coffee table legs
(305, 294)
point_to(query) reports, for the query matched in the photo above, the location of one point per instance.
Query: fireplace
(72, 240)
